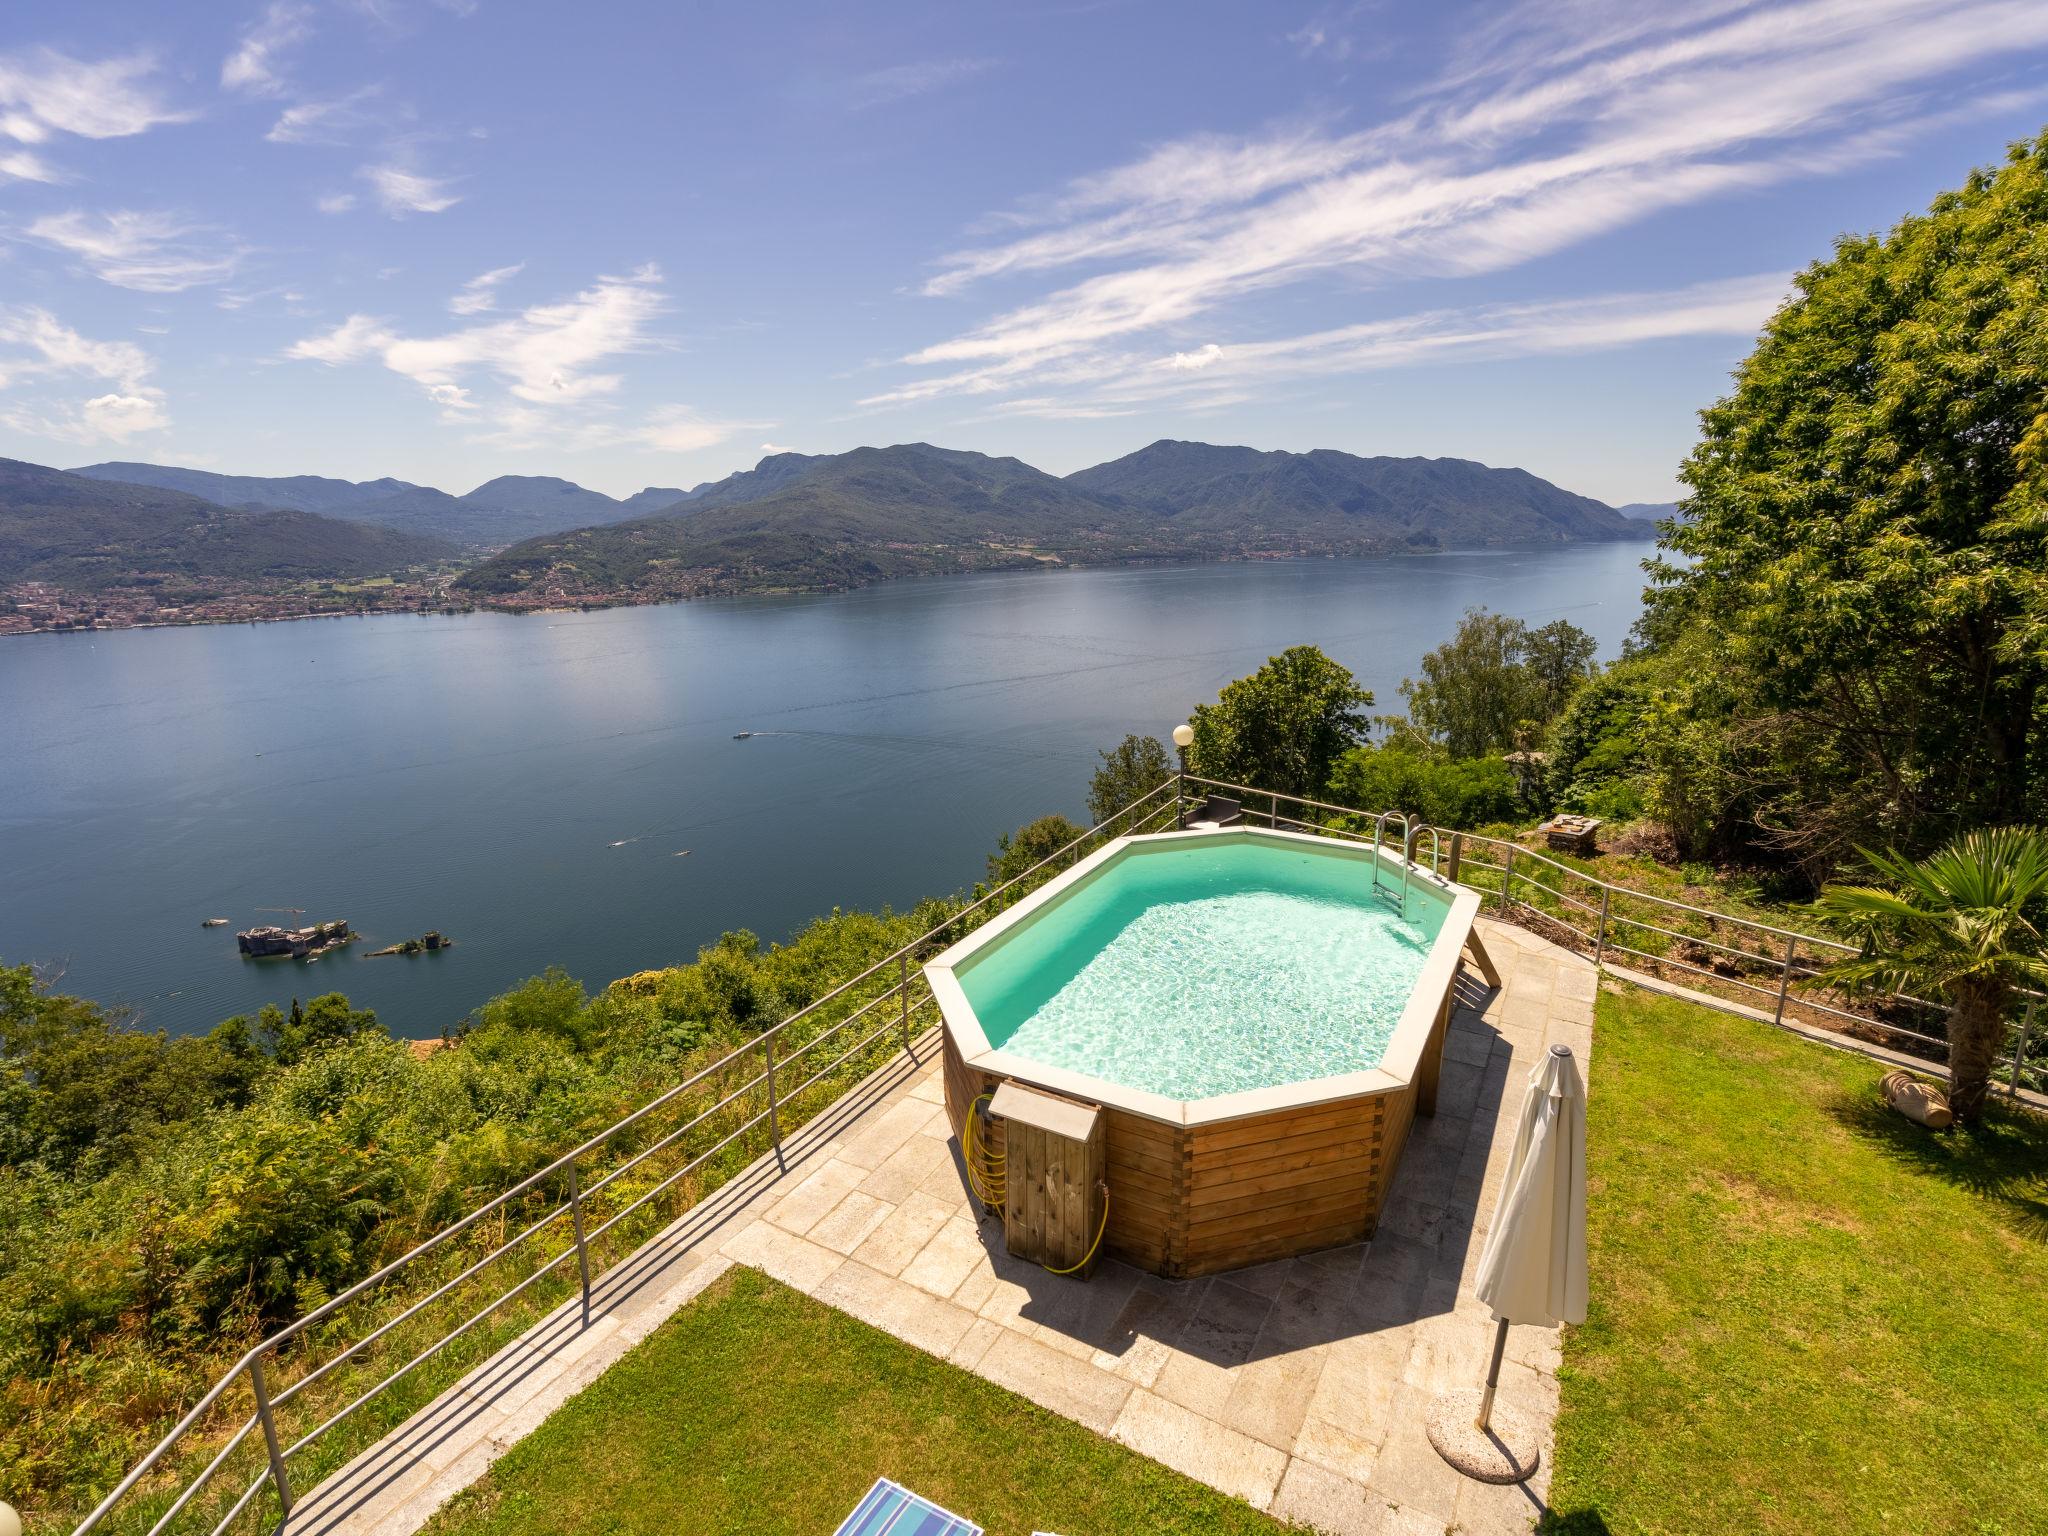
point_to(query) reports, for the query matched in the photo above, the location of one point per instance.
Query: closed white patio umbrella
(1532, 1269)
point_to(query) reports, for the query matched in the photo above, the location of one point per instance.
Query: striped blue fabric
(890, 1509)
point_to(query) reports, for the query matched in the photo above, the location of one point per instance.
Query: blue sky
(637, 243)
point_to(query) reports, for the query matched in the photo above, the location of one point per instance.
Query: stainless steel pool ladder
(1379, 828)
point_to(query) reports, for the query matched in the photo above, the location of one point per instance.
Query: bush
(1447, 792)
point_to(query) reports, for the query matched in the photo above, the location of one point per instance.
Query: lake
(566, 788)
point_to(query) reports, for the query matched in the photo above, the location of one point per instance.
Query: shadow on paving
(1408, 1271)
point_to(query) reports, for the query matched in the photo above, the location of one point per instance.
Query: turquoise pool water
(1211, 967)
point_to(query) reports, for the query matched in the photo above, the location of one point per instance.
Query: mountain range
(812, 522)
(838, 520)
(498, 512)
(88, 535)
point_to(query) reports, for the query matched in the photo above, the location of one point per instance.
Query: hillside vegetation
(496, 513)
(89, 535)
(843, 520)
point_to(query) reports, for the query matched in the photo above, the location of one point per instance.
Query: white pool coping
(1398, 1064)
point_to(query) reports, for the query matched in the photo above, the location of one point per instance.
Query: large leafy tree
(1495, 680)
(1865, 543)
(1134, 767)
(1967, 921)
(1284, 727)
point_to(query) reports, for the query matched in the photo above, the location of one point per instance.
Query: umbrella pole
(1500, 1344)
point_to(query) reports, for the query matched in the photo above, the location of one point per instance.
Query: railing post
(774, 1110)
(903, 996)
(1600, 943)
(1785, 979)
(1507, 877)
(1457, 855)
(2019, 1049)
(269, 1423)
(576, 1223)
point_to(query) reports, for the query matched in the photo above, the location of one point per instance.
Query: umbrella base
(1504, 1452)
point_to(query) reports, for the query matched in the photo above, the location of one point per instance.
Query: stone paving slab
(1300, 1386)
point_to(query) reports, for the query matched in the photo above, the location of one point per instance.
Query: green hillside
(90, 535)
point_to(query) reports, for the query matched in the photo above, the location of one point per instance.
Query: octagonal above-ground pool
(1258, 1015)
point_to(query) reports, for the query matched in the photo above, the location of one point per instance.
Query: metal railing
(758, 1093)
(1783, 970)
(771, 1084)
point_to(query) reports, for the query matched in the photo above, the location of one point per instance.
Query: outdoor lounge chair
(1219, 811)
(890, 1509)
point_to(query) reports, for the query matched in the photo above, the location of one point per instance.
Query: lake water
(529, 784)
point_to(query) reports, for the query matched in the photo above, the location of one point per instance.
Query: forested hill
(829, 522)
(1331, 501)
(801, 521)
(89, 535)
(495, 514)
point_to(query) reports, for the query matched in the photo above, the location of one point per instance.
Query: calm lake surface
(527, 784)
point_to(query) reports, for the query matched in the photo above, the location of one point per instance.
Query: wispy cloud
(898, 82)
(151, 252)
(255, 64)
(336, 120)
(401, 191)
(1336, 32)
(549, 354)
(1575, 121)
(335, 202)
(36, 348)
(44, 93)
(481, 292)
(26, 165)
(1104, 382)
(543, 377)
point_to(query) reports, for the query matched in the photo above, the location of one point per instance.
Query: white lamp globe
(1183, 736)
(10, 1522)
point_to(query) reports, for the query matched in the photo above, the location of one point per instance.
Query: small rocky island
(272, 942)
(427, 943)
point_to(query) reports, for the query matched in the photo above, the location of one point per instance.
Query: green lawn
(1807, 1314)
(757, 1409)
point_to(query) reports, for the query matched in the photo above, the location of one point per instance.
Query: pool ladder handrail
(1408, 829)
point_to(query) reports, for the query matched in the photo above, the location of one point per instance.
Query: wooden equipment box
(1054, 1170)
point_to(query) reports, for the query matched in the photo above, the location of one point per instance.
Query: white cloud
(37, 349)
(25, 165)
(1576, 121)
(545, 355)
(334, 121)
(1100, 382)
(43, 92)
(120, 417)
(901, 81)
(152, 252)
(401, 191)
(357, 337)
(539, 378)
(335, 202)
(254, 65)
(480, 292)
(776, 448)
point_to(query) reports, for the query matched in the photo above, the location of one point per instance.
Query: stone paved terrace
(1300, 1386)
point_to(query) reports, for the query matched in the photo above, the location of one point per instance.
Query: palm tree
(1966, 921)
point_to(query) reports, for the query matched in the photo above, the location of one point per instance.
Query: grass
(758, 1409)
(1807, 1314)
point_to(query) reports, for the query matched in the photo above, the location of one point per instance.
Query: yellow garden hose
(991, 1184)
(1104, 1227)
